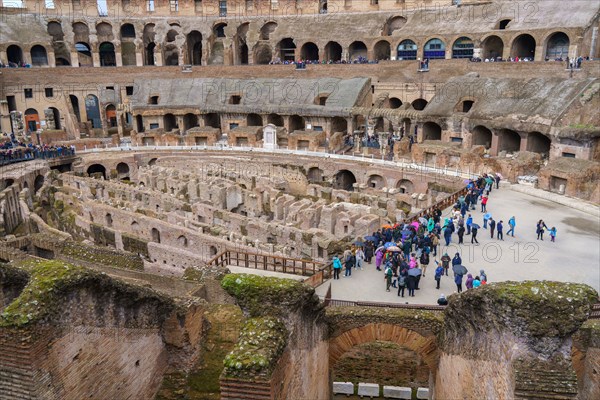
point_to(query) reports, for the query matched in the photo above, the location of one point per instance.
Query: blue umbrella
(358, 243)
(371, 238)
(389, 244)
(414, 271)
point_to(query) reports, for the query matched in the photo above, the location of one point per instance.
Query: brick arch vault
(423, 345)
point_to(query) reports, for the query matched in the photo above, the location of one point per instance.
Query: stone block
(397, 392)
(368, 389)
(343, 388)
(422, 393)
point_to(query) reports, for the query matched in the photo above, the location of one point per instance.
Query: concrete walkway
(574, 257)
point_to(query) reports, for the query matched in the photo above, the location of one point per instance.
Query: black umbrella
(414, 271)
(459, 269)
(475, 226)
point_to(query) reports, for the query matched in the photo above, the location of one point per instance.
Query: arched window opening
(407, 50)
(434, 49)
(463, 48)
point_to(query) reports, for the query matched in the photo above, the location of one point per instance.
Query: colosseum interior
(157, 154)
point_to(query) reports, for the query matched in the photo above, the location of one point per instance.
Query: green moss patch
(46, 278)
(541, 312)
(51, 282)
(257, 352)
(261, 295)
(104, 256)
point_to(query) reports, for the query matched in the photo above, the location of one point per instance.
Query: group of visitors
(11, 64)
(572, 63)
(404, 252)
(358, 60)
(11, 152)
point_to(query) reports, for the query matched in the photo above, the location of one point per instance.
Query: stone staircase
(536, 379)
(236, 389)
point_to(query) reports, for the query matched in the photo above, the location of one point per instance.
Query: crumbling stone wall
(514, 337)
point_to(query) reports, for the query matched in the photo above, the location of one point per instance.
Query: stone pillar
(95, 58)
(205, 52)
(51, 59)
(506, 51)
(179, 119)
(539, 53)
(74, 59)
(158, 57)
(119, 57)
(594, 42)
(350, 125)
(419, 138)
(495, 143)
(139, 57)
(574, 50)
(27, 57)
(3, 57)
(448, 54)
(180, 56)
(524, 139)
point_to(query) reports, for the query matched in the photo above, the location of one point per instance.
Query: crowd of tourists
(406, 253)
(11, 64)
(358, 60)
(11, 152)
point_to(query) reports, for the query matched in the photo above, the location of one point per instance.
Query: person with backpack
(349, 263)
(424, 261)
(492, 227)
(439, 271)
(337, 267)
(446, 262)
(401, 284)
(512, 224)
(389, 273)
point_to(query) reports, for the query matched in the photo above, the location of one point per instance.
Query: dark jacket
(458, 279)
(350, 261)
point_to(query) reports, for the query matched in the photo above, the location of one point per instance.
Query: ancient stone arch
(425, 346)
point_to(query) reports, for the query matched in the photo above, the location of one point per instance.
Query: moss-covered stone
(51, 281)
(46, 277)
(261, 343)
(260, 295)
(542, 313)
(104, 256)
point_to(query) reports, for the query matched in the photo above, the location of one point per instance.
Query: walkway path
(574, 257)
